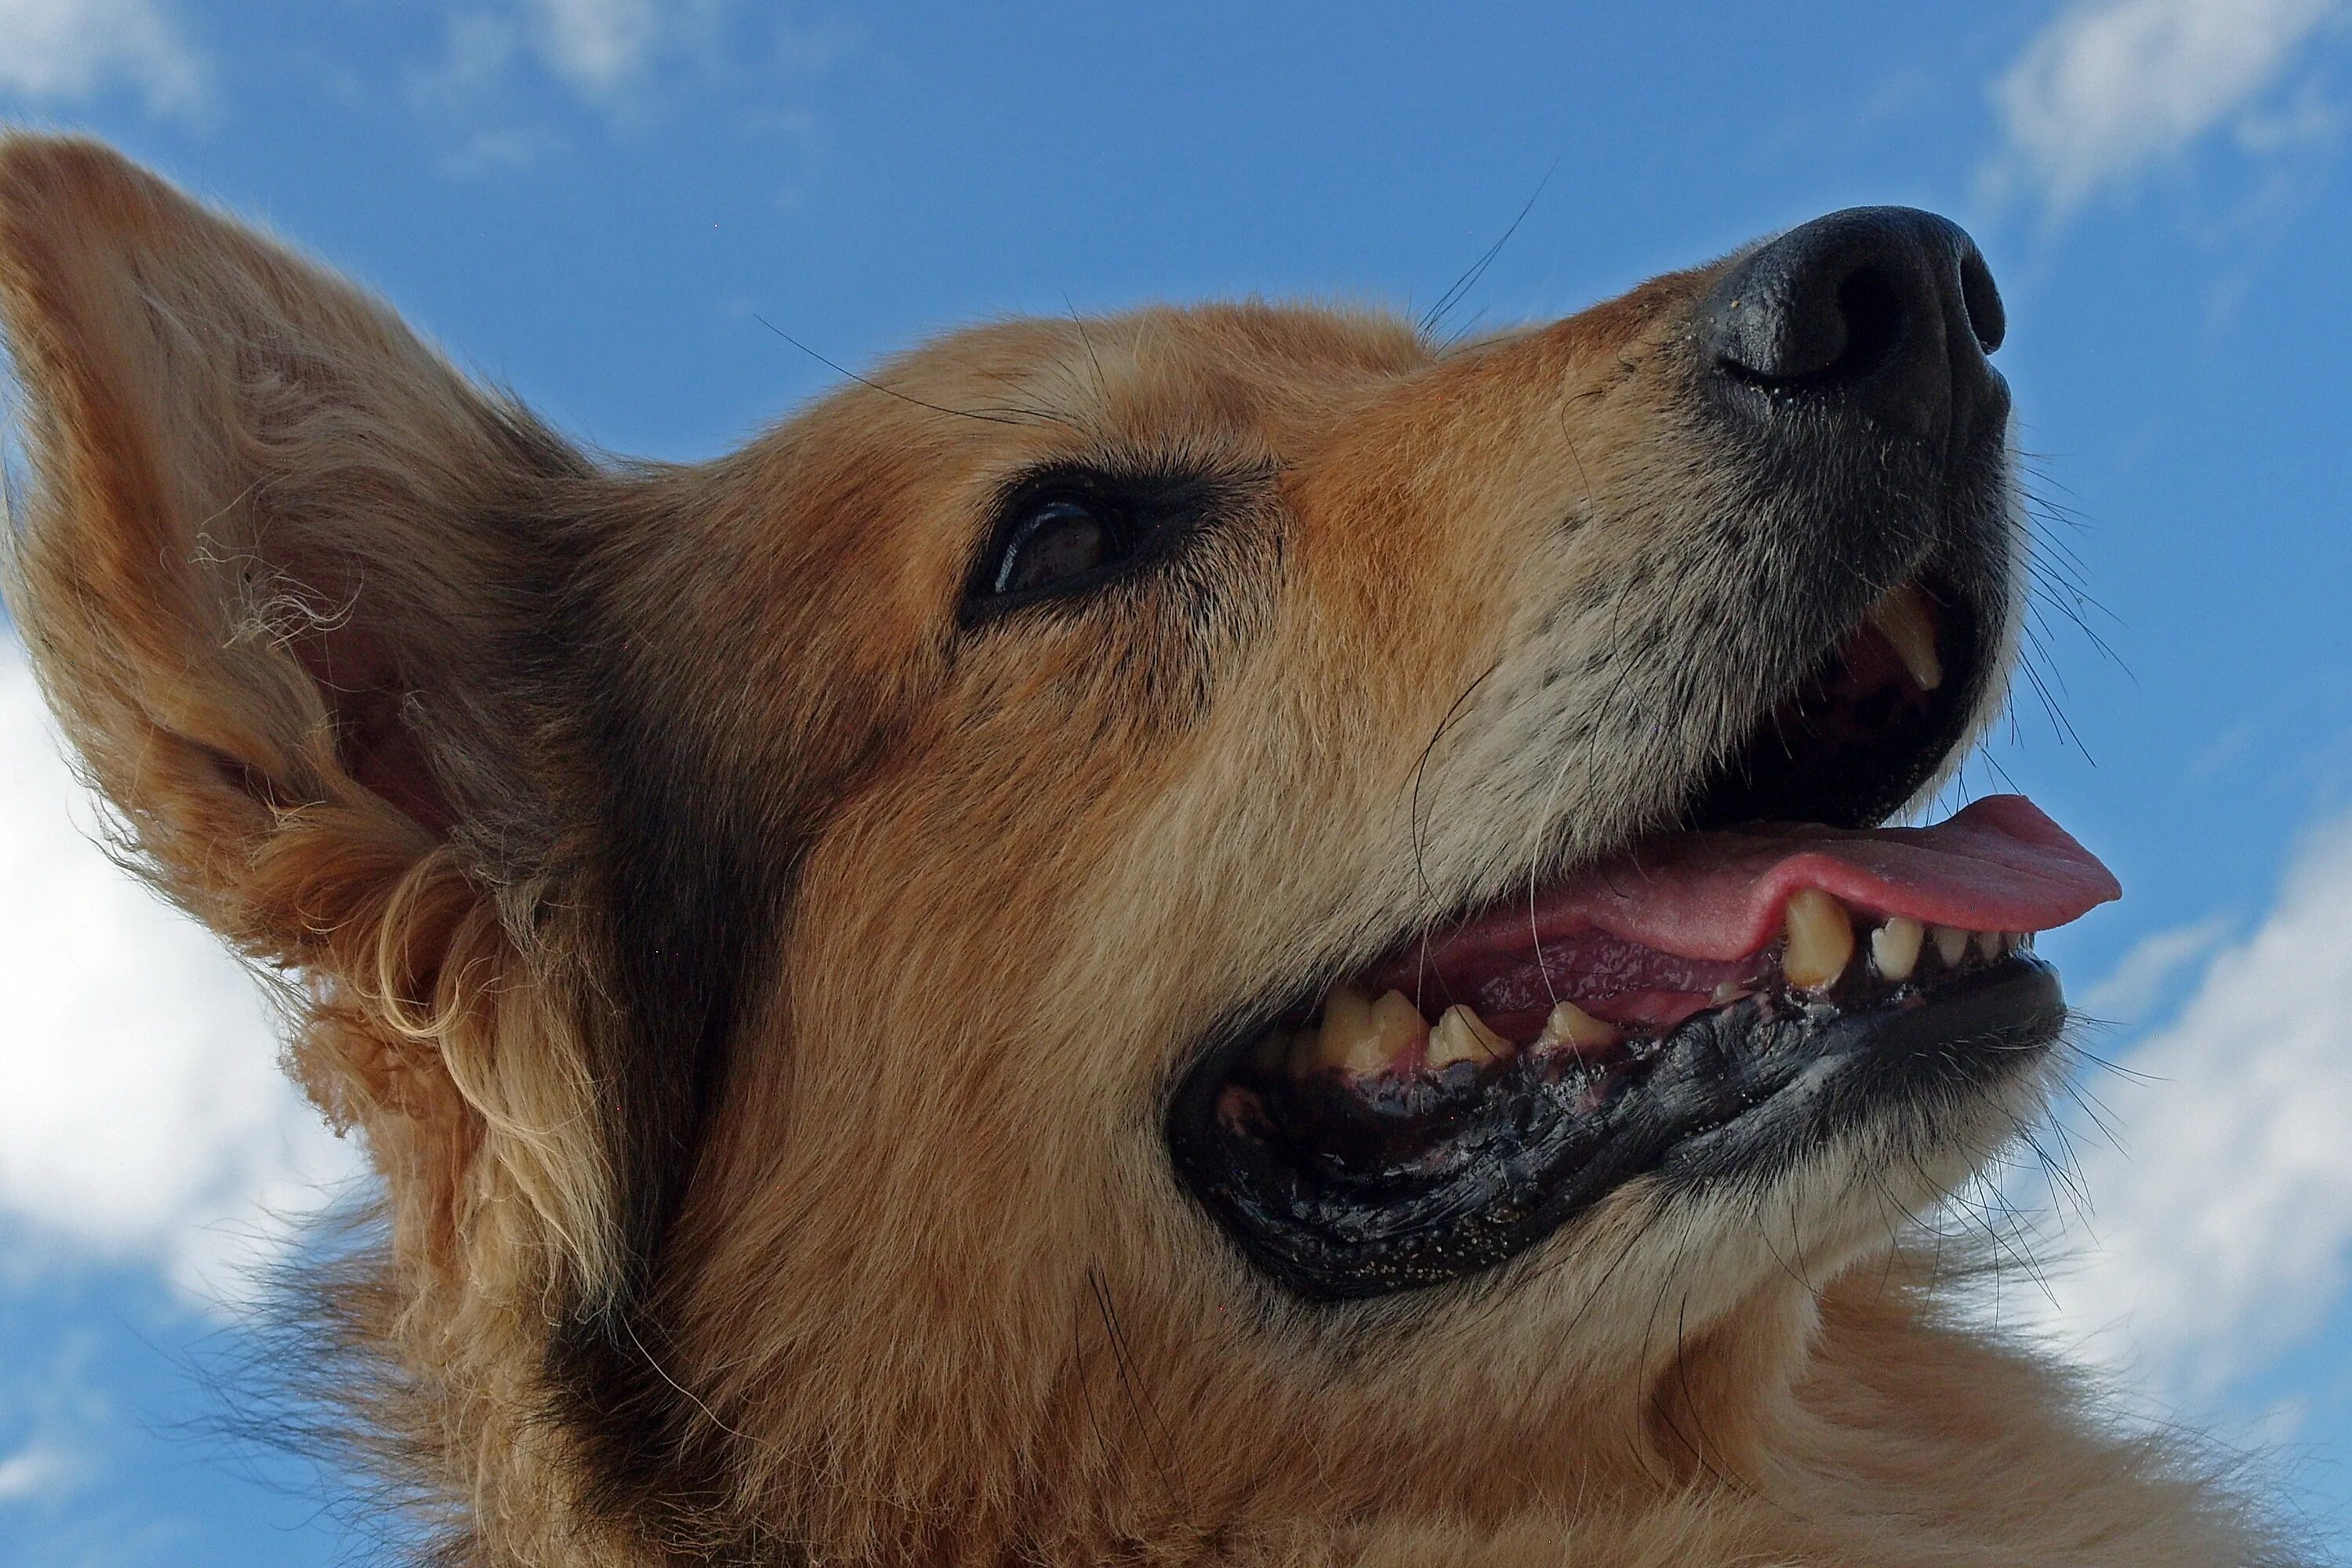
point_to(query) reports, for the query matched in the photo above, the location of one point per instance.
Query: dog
(1221, 935)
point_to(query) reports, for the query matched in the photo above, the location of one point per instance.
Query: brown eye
(1058, 544)
(1065, 531)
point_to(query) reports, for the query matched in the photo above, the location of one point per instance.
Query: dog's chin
(1722, 1009)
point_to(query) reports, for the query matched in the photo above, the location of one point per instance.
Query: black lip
(1707, 1103)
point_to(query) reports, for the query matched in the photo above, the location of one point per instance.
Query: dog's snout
(1889, 311)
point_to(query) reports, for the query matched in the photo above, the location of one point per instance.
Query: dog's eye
(1053, 545)
(1077, 529)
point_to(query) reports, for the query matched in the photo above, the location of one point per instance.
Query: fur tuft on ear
(291, 584)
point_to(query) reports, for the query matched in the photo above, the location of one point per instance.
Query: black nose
(1887, 310)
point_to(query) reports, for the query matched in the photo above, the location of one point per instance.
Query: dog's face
(1145, 912)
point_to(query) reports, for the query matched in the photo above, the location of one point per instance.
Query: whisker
(991, 416)
(1469, 281)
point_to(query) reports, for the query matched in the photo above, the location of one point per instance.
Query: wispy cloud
(2112, 87)
(598, 44)
(615, 57)
(59, 51)
(141, 1113)
(2221, 1229)
(2135, 983)
(599, 50)
(41, 1469)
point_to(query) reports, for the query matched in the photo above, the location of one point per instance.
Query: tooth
(1904, 619)
(1399, 1025)
(1820, 939)
(1725, 990)
(1365, 1037)
(1462, 1035)
(1569, 1025)
(1951, 944)
(1989, 944)
(1894, 946)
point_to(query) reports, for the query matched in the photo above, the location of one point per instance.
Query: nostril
(1884, 312)
(1982, 301)
(1874, 307)
(1825, 335)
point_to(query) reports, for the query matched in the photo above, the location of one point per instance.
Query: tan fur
(330, 629)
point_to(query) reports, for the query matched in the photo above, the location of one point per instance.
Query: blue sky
(595, 201)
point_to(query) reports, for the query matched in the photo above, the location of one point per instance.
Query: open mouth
(1705, 1002)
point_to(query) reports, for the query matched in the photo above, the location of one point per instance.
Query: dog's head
(1129, 929)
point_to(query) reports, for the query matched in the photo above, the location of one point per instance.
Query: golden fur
(758, 989)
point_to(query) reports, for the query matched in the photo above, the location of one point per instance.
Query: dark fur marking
(691, 913)
(696, 871)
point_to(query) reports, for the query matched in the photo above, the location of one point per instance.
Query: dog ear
(287, 578)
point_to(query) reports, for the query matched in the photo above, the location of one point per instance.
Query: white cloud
(626, 60)
(2221, 1230)
(2136, 982)
(596, 44)
(141, 1113)
(607, 53)
(604, 51)
(2111, 87)
(41, 1469)
(61, 49)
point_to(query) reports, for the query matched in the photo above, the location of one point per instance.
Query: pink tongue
(1999, 865)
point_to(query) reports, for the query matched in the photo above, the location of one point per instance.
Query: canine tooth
(1569, 1025)
(1399, 1025)
(1951, 944)
(1894, 946)
(1904, 619)
(1462, 1035)
(1820, 939)
(1353, 1037)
